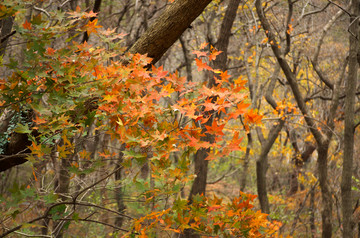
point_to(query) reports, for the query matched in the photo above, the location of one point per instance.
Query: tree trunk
(6, 27)
(225, 33)
(326, 212)
(168, 28)
(262, 166)
(312, 213)
(346, 178)
(246, 163)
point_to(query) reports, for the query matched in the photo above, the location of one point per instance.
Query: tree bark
(262, 166)
(346, 178)
(168, 28)
(246, 162)
(6, 27)
(225, 33)
(326, 213)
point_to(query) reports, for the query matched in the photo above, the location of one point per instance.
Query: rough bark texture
(349, 122)
(168, 28)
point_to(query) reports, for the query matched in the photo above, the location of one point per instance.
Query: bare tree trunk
(349, 131)
(326, 213)
(168, 28)
(262, 166)
(312, 213)
(225, 33)
(119, 191)
(246, 163)
(186, 58)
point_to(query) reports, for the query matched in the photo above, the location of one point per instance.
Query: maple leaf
(159, 72)
(199, 53)
(240, 110)
(215, 207)
(110, 98)
(39, 120)
(253, 117)
(235, 142)
(27, 25)
(239, 81)
(214, 53)
(224, 76)
(89, 14)
(215, 128)
(203, 45)
(50, 51)
(209, 106)
(201, 65)
(91, 27)
(167, 90)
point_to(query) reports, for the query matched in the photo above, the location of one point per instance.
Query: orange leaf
(27, 25)
(215, 128)
(39, 120)
(199, 53)
(203, 45)
(253, 117)
(214, 53)
(91, 26)
(201, 65)
(50, 51)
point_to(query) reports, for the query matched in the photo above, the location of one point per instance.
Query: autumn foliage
(79, 89)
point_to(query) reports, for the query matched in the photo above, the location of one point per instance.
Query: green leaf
(22, 129)
(50, 198)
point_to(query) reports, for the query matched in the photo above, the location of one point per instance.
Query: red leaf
(27, 25)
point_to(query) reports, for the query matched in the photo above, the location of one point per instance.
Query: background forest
(179, 118)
